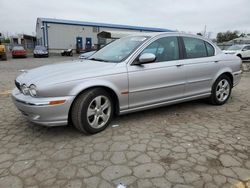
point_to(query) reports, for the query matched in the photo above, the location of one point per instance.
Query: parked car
(134, 73)
(240, 50)
(40, 51)
(68, 52)
(18, 51)
(86, 55)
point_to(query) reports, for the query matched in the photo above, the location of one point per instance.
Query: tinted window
(246, 48)
(210, 49)
(165, 49)
(40, 48)
(195, 48)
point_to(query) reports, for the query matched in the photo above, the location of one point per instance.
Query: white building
(57, 34)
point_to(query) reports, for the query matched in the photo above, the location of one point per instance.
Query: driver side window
(165, 49)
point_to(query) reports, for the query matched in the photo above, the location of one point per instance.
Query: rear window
(18, 48)
(195, 48)
(210, 49)
(40, 48)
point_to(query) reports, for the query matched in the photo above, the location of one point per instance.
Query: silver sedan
(134, 73)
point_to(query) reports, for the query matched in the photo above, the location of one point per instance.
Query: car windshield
(18, 48)
(118, 50)
(40, 48)
(235, 47)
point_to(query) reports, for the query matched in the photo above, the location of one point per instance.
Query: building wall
(57, 36)
(39, 33)
(64, 36)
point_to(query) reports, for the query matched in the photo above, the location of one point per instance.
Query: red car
(19, 51)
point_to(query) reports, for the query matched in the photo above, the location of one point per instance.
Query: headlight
(24, 89)
(32, 90)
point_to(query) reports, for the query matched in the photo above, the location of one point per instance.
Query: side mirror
(244, 49)
(146, 58)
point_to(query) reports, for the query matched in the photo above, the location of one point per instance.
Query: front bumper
(41, 55)
(39, 111)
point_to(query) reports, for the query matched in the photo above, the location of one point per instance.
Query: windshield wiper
(96, 59)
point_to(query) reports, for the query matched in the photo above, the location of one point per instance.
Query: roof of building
(117, 26)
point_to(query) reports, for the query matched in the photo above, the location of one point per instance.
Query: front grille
(18, 85)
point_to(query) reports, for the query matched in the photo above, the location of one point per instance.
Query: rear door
(159, 81)
(201, 66)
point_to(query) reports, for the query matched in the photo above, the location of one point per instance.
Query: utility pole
(205, 30)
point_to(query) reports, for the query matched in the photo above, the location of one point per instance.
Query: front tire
(221, 90)
(92, 111)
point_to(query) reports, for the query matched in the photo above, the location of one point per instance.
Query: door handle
(179, 65)
(216, 61)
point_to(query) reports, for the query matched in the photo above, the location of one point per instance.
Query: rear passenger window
(195, 48)
(210, 49)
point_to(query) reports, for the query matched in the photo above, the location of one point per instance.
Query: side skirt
(141, 108)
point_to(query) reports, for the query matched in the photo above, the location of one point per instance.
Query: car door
(159, 81)
(246, 52)
(201, 66)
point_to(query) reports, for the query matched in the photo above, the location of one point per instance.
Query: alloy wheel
(99, 111)
(223, 90)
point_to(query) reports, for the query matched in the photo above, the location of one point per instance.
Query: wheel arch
(239, 55)
(110, 90)
(228, 73)
(230, 76)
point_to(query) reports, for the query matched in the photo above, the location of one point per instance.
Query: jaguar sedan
(134, 73)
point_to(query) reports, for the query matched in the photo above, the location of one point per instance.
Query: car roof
(155, 34)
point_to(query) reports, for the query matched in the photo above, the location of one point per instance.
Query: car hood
(64, 72)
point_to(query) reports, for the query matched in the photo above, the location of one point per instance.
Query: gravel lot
(186, 145)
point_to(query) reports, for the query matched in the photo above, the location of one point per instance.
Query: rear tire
(221, 90)
(92, 111)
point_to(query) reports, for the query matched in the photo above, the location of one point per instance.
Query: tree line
(229, 35)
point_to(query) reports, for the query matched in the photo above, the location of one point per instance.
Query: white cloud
(185, 15)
